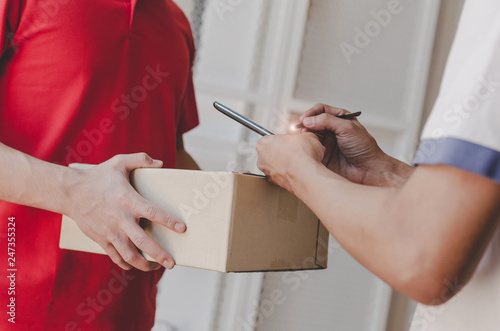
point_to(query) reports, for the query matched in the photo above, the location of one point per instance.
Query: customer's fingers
(322, 108)
(328, 122)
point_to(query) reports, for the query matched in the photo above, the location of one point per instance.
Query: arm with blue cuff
(418, 229)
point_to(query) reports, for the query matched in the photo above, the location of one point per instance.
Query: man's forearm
(356, 215)
(389, 172)
(32, 182)
(402, 234)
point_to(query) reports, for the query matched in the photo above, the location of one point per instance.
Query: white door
(270, 59)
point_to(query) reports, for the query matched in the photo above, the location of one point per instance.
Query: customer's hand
(350, 150)
(281, 155)
(108, 210)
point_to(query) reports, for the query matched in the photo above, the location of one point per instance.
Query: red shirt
(82, 81)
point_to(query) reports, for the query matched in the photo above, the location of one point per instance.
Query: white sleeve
(464, 127)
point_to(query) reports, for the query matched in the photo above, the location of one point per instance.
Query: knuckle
(115, 257)
(112, 238)
(150, 211)
(158, 255)
(123, 198)
(125, 266)
(321, 118)
(108, 246)
(146, 268)
(120, 262)
(130, 257)
(150, 266)
(258, 146)
(263, 142)
(117, 158)
(138, 240)
(351, 125)
(170, 222)
(117, 162)
(145, 157)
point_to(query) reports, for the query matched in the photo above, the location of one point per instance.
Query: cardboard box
(235, 222)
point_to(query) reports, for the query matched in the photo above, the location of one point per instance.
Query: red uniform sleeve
(9, 20)
(188, 118)
(3, 26)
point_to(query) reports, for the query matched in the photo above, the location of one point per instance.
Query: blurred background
(271, 60)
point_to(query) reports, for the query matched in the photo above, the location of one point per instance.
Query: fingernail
(308, 121)
(169, 264)
(180, 227)
(158, 162)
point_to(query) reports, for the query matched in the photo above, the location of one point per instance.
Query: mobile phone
(242, 120)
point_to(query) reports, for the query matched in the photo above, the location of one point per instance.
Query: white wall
(251, 58)
(402, 308)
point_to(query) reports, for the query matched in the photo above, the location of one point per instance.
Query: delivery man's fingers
(147, 245)
(154, 213)
(130, 162)
(107, 240)
(128, 251)
(115, 256)
(322, 108)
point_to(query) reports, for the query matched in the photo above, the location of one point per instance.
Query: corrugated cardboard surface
(73, 238)
(271, 230)
(235, 222)
(203, 201)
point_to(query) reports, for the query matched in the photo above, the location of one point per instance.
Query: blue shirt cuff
(461, 154)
